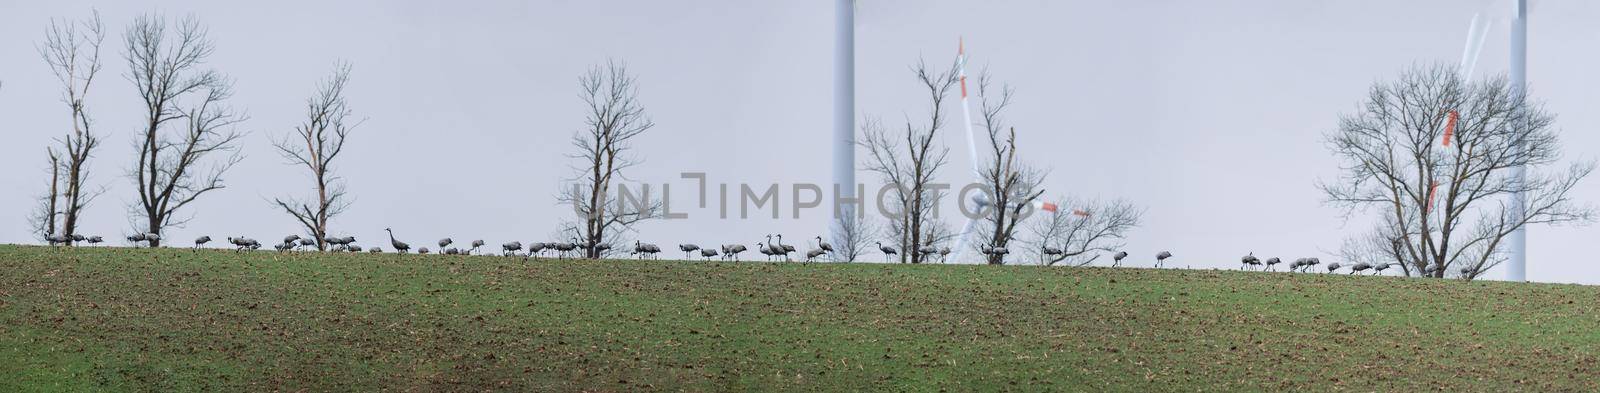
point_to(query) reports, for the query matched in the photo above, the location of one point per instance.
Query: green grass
(176, 320)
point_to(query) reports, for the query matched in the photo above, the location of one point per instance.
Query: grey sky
(1209, 113)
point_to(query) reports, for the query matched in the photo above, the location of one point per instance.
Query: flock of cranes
(1306, 265)
(774, 248)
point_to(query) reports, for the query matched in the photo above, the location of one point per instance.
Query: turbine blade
(1475, 36)
(966, 108)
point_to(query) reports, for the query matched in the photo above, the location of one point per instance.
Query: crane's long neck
(391, 236)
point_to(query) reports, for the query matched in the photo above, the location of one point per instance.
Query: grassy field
(176, 320)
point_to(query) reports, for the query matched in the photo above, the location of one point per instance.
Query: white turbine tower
(844, 105)
(1517, 265)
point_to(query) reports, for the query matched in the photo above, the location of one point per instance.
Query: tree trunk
(55, 181)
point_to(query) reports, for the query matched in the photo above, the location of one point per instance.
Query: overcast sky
(1208, 113)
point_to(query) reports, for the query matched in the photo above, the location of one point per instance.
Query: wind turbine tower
(844, 109)
(1517, 266)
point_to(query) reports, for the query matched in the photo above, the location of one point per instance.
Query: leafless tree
(186, 120)
(72, 49)
(314, 145)
(615, 117)
(853, 239)
(1082, 229)
(43, 219)
(1434, 153)
(908, 161)
(1010, 186)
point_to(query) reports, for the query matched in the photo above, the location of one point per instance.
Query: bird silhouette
(399, 246)
(887, 251)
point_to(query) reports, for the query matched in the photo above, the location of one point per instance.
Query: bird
(779, 248)
(688, 248)
(1360, 267)
(153, 238)
(282, 247)
(422, 250)
(1273, 261)
(1333, 266)
(376, 250)
(943, 252)
(445, 242)
(645, 249)
(563, 248)
(535, 248)
(887, 251)
(1116, 259)
(1050, 251)
(242, 243)
(399, 246)
(307, 243)
(475, 245)
(353, 248)
(451, 251)
(824, 246)
(995, 252)
(732, 251)
(707, 253)
(78, 238)
(1467, 271)
(813, 254)
(764, 250)
(239, 243)
(1378, 269)
(510, 248)
(786, 248)
(57, 240)
(1305, 264)
(291, 239)
(1249, 260)
(1161, 258)
(135, 239)
(93, 240)
(201, 242)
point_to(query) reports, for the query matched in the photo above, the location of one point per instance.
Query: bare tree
(43, 219)
(314, 145)
(72, 49)
(186, 120)
(1011, 186)
(1433, 153)
(1088, 229)
(615, 117)
(908, 162)
(854, 238)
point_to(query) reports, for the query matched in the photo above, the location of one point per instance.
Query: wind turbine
(979, 202)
